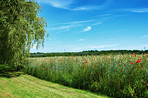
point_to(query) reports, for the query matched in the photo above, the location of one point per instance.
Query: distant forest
(89, 52)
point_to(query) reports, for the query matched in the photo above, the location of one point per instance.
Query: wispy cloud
(76, 22)
(84, 8)
(98, 23)
(61, 27)
(81, 40)
(87, 29)
(145, 36)
(57, 3)
(67, 4)
(144, 10)
(68, 25)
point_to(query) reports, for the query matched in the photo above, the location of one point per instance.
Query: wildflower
(135, 55)
(125, 65)
(147, 85)
(85, 62)
(141, 66)
(100, 72)
(109, 65)
(138, 61)
(119, 64)
(143, 81)
(132, 63)
(146, 55)
(131, 54)
(95, 65)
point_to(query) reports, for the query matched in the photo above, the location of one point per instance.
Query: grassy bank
(26, 86)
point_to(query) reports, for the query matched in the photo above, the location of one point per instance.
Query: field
(26, 86)
(113, 75)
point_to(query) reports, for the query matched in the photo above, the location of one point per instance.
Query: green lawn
(26, 86)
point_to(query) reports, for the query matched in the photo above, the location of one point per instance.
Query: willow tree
(20, 28)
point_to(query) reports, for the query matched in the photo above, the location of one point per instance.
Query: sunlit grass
(26, 86)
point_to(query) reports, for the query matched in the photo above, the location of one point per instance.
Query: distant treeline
(89, 52)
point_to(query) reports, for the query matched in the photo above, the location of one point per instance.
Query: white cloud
(75, 22)
(61, 27)
(84, 8)
(68, 25)
(67, 4)
(145, 36)
(144, 10)
(97, 23)
(57, 3)
(82, 40)
(87, 29)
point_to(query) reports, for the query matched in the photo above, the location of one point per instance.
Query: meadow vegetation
(112, 75)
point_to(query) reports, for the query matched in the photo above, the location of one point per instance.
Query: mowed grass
(26, 86)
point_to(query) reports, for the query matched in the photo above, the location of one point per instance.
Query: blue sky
(77, 25)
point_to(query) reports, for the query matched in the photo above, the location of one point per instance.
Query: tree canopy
(20, 28)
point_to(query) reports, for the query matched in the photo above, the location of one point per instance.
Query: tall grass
(113, 75)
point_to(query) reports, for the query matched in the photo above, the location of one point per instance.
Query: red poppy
(147, 85)
(141, 66)
(146, 55)
(143, 81)
(85, 62)
(109, 65)
(125, 65)
(119, 64)
(95, 65)
(135, 55)
(138, 61)
(131, 54)
(132, 63)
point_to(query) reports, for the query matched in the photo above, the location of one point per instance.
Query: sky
(79, 25)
